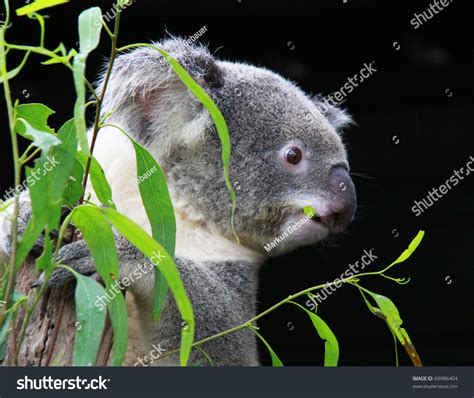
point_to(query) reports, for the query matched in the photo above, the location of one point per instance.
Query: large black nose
(343, 200)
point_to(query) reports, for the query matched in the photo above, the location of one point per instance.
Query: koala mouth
(315, 218)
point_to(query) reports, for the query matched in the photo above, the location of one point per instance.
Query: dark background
(422, 93)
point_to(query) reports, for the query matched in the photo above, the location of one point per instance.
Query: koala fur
(265, 114)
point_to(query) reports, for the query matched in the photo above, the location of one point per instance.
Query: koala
(287, 154)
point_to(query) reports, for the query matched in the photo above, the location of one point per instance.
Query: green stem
(16, 162)
(249, 323)
(26, 320)
(100, 99)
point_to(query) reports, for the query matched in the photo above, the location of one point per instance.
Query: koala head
(287, 152)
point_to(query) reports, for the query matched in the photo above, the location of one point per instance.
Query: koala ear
(338, 117)
(146, 96)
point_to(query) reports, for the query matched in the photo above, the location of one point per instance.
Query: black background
(422, 94)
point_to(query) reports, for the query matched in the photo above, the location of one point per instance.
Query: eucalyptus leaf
(89, 36)
(331, 345)
(99, 237)
(276, 362)
(40, 139)
(38, 5)
(99, 181)
(65, 155)
(36, 115)
(159, 209)
(15, 72)
(90, 320)
(118, 316)
(74, 189)
(153, 250)
(217, 117)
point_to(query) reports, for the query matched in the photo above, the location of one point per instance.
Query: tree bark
(49, 337)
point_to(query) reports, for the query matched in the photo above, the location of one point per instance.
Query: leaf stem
(16, 162)
(100, 99)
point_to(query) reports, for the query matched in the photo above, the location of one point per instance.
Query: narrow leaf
(159, 209)
(331, 345)
(100, 240)
(89, 36)
(63, 155)
(99, 181)
(411, 248)
(14, 72)
(161, 259)
(38, 5)
(90, 320)
(276, 362)
(118, 316)
(74, 188)
(217, 117)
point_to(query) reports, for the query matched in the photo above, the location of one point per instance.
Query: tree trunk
(49, 337)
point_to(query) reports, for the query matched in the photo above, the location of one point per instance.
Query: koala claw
(38, 282)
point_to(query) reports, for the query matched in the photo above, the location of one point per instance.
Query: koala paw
(75, 255)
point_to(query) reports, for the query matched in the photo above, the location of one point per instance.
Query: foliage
(64, 187)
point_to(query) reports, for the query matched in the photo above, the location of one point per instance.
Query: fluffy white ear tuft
(149, 100)
(338, 117)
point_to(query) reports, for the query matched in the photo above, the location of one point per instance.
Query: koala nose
(343, 200)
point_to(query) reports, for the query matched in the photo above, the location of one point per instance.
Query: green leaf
(159, 209)
(14, 72)
(44, 210)
(276, 362)
(90, 320)
(4, 334)
(61, 59)
(89, 36)
(74, 189)
(38, 5)
(100, 240)
(152, 249)
(32, 233)
(331, 346)
(217, 117)
(389, 312)
(90, 28)
(411, 248)
(32, 123)
(44, 262)
(99, 181)
(40, 139)
(118, 316)
(36, 115)
(64, 154)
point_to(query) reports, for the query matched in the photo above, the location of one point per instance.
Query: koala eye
(293, 155)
